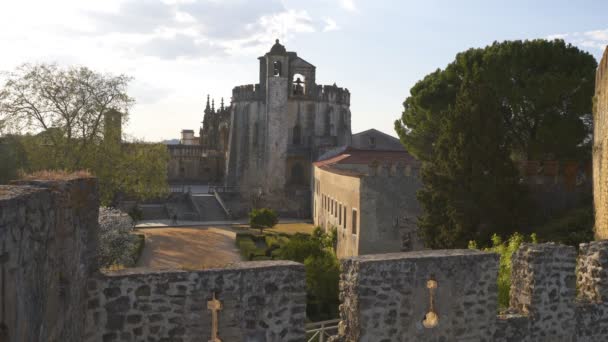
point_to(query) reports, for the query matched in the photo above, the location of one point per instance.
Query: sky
(178, 51)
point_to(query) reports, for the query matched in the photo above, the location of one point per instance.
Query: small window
(344, 222)
(277, 68)
(340, 214)
(354, 222)
(372, 142)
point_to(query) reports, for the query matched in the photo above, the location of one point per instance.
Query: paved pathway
(190, 248)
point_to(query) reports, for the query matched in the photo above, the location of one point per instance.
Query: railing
(223, 205)
(321, 331)
(219, 189)
(177, 189)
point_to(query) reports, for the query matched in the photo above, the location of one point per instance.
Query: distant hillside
(171, 142)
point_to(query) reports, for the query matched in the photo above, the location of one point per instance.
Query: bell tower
(276, 121)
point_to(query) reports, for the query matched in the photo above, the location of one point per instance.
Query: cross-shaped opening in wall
(214, 306)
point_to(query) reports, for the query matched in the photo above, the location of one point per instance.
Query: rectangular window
(340, 214)
(344, 223)
(354, 223)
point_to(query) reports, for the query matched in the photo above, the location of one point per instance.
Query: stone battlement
(52, 290)
(398, 169)
(332, 93)
(386, 297)
(48, 249)
(323, 93)
(249, 92)
(261, 301)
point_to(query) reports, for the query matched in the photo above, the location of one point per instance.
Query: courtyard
(200, 247)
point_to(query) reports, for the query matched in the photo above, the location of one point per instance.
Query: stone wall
(600, 149)
(385, 297)
(48, 248)
(262, 301)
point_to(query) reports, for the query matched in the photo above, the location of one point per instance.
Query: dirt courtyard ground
(189, 248)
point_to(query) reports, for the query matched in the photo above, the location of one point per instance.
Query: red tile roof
(366, 157)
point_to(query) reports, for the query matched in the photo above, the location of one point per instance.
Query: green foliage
(263, 218)
(505, 250)
(249, 248)
(572, 228)
(315, 251)
(469, 122)
(322, 271)
(63, 128)
(12, 158)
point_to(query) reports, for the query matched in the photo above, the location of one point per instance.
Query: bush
(572, 228)
(118, 246)
(248, 246)
(322, 271)
(263, 218)
(505, 250)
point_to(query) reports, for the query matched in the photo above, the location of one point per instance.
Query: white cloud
(594, 40)
(348, 5)
(176, 50)
(330, 25)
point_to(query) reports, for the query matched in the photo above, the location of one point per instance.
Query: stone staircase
(208, 207)
(153, 211)
(183, 210)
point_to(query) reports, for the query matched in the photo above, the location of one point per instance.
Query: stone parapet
(48, 244)
(600, 149)
(386, 297)
(261, 301)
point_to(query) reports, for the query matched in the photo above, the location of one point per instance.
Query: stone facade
(262, 301)
(202, 159)
(280, 126)
(48, 244)
(385, 297)
(600, 149)
(354, 192)
(51, 290)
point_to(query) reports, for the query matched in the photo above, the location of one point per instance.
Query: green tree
(467, 124)
(322, 271)
(59, 115)
(263, 218)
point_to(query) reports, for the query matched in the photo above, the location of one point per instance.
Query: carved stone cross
(214, 306)
(431, 319)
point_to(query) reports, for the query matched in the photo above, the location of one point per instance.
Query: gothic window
(277, 68)
(297, 135)
(297, 174)
(299, 84)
